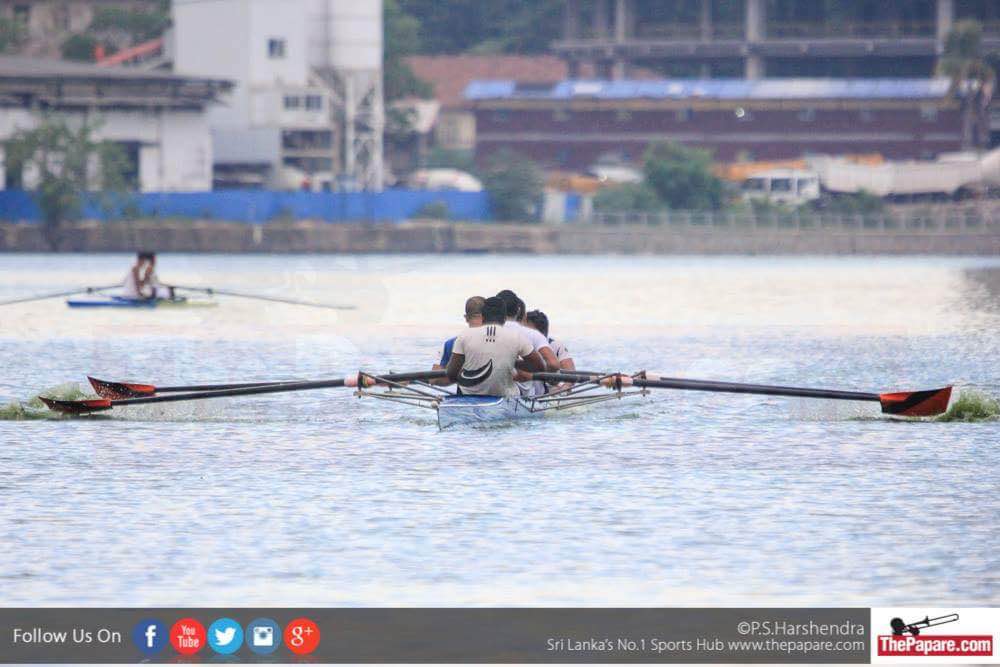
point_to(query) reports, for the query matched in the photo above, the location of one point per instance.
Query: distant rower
(484, 359)
(141, 282)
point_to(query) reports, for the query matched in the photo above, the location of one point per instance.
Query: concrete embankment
(445, 237)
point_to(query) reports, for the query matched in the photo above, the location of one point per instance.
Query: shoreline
(436, 237)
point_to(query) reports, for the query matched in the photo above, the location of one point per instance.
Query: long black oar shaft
(710, 385)
(56, 295)
(219, 387)
(95, 405)
(274, 388)
(236, 391)
(263, 297)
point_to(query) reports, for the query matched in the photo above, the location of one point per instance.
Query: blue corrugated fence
(259, 206)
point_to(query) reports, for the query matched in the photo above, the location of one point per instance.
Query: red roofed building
(449, 75)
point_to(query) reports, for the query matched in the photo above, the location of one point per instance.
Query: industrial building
(765, 38)
(307, 110)
(159, 118)
(576, 124)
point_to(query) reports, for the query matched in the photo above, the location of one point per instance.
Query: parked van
(783, 186)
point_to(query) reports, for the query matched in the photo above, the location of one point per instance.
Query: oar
(119, 390)
(55, 295)
(262, 297)
(925, 403)
(98, 404)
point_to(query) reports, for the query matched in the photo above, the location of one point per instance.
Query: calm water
(321, 498)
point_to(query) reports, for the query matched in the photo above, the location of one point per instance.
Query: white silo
(345, 47)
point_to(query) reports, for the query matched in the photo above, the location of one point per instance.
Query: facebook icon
(150, 636)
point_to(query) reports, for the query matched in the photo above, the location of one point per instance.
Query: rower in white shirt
(484, 359)
(515, 320)
(141, 282)
(538, 320)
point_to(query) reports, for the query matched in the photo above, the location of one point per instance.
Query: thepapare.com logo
(910, 639)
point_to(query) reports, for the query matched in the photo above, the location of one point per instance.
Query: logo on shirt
(491, 334)
(470, 377)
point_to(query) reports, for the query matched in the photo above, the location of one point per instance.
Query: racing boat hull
(470, 410)
(122, 302)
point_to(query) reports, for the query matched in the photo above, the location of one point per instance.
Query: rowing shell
(466, 410)
(124, 302)
(471, 410)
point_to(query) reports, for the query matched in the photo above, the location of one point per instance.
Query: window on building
(560, 115)
(755, 184)
(500, 116)
(22, 14)
(683, 115)
(314, 102)
(623, 115)
(275, 48)
(807, 115)
(928, 113)
(867, 116)
(293, 101)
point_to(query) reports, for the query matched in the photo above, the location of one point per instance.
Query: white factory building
(158, 117)
(306, 110)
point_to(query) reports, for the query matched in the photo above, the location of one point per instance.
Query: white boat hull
(469, 410)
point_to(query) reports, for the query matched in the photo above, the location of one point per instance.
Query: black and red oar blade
(76, 407)
(118, 390)
(926, 403)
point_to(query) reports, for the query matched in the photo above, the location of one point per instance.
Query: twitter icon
(225, 636)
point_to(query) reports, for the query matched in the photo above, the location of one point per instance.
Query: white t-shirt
(538, 341)
(130, 287)
(491, 352)
(558, 349)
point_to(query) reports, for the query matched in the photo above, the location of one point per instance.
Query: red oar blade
(927, 403)
(77, 407)
(119, 390)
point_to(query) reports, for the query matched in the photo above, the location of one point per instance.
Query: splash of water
(972, 406)
(35, 409)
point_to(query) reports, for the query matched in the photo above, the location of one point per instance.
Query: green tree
(79, 47)
(628, 197)
(682, 177)
(11, 34)
(500, 26)
(445, 158)
(66, 161)
(515, 186)
(132, 26)
(402, 38)
(972, 80)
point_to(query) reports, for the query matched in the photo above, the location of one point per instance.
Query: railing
(688, 31)
(848, 29)
(918, 220)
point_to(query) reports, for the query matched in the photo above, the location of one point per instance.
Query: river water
(321, 498)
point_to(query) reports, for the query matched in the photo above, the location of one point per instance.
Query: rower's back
(491, 352)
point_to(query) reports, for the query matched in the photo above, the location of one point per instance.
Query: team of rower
(502, 347)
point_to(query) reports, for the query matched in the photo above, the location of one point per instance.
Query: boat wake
(972, 405)
(34, 409)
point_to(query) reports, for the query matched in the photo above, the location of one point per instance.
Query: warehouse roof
(60, 83)
(718, 89)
